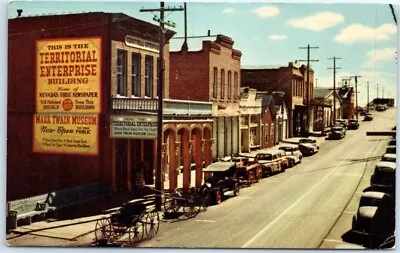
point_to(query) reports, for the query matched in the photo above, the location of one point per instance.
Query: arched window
(222, 84)
(235, 85)
(229, 85)
(215, 82)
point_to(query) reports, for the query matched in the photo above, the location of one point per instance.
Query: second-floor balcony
(171, 106)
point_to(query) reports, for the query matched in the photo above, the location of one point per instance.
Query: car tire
(218, 197)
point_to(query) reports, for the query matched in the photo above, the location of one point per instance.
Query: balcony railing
(135, 104)
(171, 106)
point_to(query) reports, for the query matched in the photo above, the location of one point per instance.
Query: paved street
(295, 209)
(308, 206)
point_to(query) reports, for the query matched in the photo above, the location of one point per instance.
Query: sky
(363, 35)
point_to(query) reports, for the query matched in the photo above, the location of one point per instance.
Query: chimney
(19, 12)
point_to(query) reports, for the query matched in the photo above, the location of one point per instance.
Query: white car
(293, 153)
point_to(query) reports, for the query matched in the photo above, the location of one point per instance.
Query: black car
(337, 132)
(368, 117)
(353, 124)
(221, 178)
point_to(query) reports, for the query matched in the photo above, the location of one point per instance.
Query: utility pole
(308, 85)
(334, 84)
(355, 78)
(160, 88)
(383, 91)
(316, 82)
(367, 96)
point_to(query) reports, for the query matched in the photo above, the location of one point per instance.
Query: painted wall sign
(141, 44)
(68, 75)
(134, 127)
(67, 134)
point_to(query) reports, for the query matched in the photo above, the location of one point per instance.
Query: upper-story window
(136, 63)
(235, 85)
(215, 82)
(229, 85)
(121, 72)
(222, 84)
(148, 76)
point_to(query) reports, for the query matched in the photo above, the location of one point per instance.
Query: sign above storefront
(134, 127)
(141, 44)
(68, 75)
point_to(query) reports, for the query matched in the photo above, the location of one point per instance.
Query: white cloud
(228, 10)
(266, 11)
(317, 22)
(277, 37)
(380, 55)
(356, 32)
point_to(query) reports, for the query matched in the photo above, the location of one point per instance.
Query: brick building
(211, 74)
(292, 81)
(87, 100)
(268, 116)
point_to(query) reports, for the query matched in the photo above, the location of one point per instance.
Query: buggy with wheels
(220, 178)
(188, 200)
(131, 223)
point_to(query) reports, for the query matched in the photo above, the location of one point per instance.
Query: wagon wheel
(152, 224)
(236, 190)
(206, 199)
(258, 174)
(171, 206)
(103, 230)
(136, 232)
(218, 197)
(191, 209)
(250, 178)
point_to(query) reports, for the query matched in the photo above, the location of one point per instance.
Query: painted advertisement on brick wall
(68, 75)
(67, 134)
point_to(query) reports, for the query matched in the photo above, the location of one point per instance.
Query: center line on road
(294, 204)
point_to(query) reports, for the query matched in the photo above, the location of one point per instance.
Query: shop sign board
(68, 75)
(134, 127)
(65, 134)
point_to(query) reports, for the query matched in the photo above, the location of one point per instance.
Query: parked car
(304, 145)
(392, 142)
(222, 178)
(375, 223)
(391, 150)
(342, 122)
(380, 108)
(272, 162)
(293, 153)
(374, 198)
(247, 171)
(337, 132)
(368, 117)
(353, 124)
(384, 177)
(389, 158)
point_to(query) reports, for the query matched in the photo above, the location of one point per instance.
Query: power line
(393, 13)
